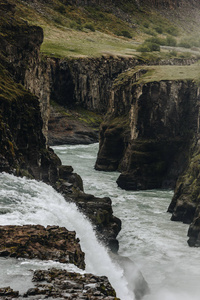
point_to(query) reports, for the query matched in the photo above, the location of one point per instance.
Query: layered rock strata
(36, 241)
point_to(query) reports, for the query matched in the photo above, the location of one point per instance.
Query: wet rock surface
(35, 241)
(98, 210)
(185, 204)
(60, 284)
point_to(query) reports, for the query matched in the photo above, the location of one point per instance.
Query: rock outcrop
(60, 284)
(186, 201)
(36, 241)
(85, 83)
(23, 145)
(98, 210)
(148, 131)
(73, 126)
(151, 135)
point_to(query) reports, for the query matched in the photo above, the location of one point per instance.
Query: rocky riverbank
(23, 146)
(51, 243)
(60, 284)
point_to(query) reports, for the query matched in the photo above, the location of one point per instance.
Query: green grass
(66, 30)
(90, 118)
(65, 42)
(71, 31)
(159, 73)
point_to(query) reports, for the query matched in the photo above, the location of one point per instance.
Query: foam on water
(25, 201)
(157, 245)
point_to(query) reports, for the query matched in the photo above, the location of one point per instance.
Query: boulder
(61, 284)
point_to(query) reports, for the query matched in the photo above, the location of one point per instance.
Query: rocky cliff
(23, 145)
(185, 203)
(87, 81)
(148, 131)
(151, 135)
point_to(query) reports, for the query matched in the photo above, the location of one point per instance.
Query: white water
(25, 201)
(148, 237)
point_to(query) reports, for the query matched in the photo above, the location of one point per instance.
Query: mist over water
(157, 245)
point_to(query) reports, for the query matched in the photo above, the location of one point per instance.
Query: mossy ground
(89, 118)
(159, 73)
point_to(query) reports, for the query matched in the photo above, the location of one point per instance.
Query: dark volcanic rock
(98, 210)
(157, 127)
(22, 142)
(148, 131)
(185, 205)
(8, 293)
(61, 284)
(35, 241)
(80, 286)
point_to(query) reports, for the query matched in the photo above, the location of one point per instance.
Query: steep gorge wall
(148, 130)
(86, 82)
(23, 150)
(151, 135)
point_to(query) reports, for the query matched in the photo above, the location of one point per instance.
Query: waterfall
(24, 201)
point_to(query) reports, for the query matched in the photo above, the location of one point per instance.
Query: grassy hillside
(119, 29)
(158, 73)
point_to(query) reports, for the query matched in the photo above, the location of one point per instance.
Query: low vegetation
(158, 73)
(75, 31)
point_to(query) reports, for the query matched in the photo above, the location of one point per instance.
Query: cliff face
(148, 131)
(22, 143)
(185, 205)
(86, 82)
(151, 135)
(20, 47)
(23, 149)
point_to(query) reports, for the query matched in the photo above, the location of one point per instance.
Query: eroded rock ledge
(60, 284)
(52, 243)
(36, 241)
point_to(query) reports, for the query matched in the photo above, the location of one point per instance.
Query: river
(157, 246)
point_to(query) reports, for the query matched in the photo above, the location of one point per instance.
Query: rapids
(157, 245)
(25, 201)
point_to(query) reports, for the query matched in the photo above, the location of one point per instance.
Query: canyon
(149, 133)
